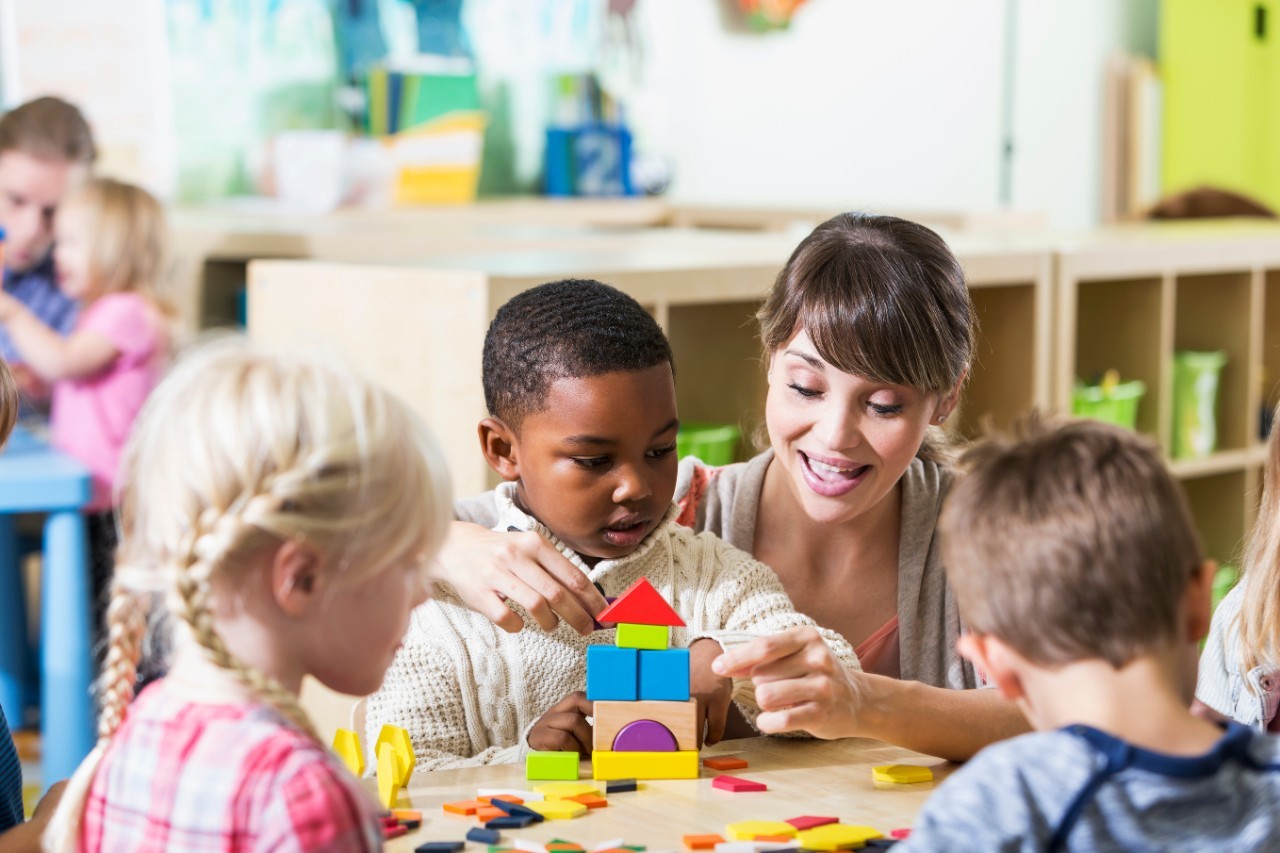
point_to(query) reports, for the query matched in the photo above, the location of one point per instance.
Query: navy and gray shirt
(1078, 788)
(37, 289)
(10, 780)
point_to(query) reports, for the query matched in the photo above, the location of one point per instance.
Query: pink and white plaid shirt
(193, 777)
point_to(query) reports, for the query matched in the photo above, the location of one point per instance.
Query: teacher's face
(843, 440)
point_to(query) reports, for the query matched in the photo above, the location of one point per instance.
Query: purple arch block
(645, 736)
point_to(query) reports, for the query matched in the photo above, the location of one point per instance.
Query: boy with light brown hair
(1077, 568)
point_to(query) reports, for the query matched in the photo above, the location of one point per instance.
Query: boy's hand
(713, 692)
(563, 728)
(488, 567)
(25, 837)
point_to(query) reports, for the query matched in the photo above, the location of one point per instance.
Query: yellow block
(346, 745)
(749, 830)
(398, 738)
(565, 790)
(388, 773)
(644, 765)
(901, 774)
(558, 809)
(837, 836)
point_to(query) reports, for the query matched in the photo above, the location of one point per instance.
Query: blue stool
(36, 478)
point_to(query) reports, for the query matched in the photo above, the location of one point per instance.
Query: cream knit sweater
(468, 692)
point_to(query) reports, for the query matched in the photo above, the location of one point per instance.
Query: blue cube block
(664, 675)
(613, 673)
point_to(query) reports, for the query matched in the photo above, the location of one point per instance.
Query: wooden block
(725, 762)
(641, 604)
(621, 786)
(632, 636)
(484, 814)
(750, 830)
(551, 765)
(680, 718)
(612, 673)
(559, 845)
(510, 794)
(591, 801)
(737, 785)
(837, 836)
(462, 807)
(406, 814)
(775, 839)
(346, 745)
(644, 765)
(511, 822)
(702, 842)
(810, 821)
(389, 773)
(664, 675)
(399, 740)
(559, 809)
(900, 834)
(566, 790)
(483, 836)
(389, 832)
(901, 774)
(506, 798)
(440, 847)
(518, 810)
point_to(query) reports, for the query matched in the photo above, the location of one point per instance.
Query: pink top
(194, 777)
(92, 416)
(880, 653)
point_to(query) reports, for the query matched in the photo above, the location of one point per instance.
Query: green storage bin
(1195, 402)
(1112, 403)
(714, 444)
(1223, 582)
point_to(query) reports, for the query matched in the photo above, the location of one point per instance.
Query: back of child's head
(49, 129)
(1260, 606)
(126, 233)
(1070, 542)
(238, 451)
(564, 330)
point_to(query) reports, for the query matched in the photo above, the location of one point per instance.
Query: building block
(390, 832)
(399, 740)
(881, 843)
(506, 798)
(483, 836)
(611, 844)
(837, 836)
(901, 774)
(679, 718)
(664, 675)
(645, 736)
(900, 834)
(702, 842)
(644, 765)
(810, 821)
(346, 745)
(388, 775)
(725, 762)
(511, 794)
(406, 814)
(621, 786)
(755, 847)
(559, 809)
(518, 810)
(750, 830)
(641, 604)
(632, 636)
(484, 814)
(551, 765)
(591, 801)
(737, 785)
(462, 807)
(612, 673)
(440, 847)
(559, 845)
(511, 822)
(566, 790)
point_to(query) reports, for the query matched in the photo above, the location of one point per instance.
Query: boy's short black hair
(564, 329)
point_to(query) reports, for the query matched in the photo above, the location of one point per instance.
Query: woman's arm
(800, 684)
(49, 355)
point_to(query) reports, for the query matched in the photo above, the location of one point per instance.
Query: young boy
(580, 389)
(1080, 576)
(46, 149)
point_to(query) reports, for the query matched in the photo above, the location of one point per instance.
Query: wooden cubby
(1269, 381)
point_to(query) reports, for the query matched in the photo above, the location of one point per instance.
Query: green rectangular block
(642, 636)
(555, 766)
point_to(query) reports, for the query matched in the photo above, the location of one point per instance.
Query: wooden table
(809, 777)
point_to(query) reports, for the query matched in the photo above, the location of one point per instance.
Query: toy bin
(1114, 403)
(1195, 400)
(714, 444)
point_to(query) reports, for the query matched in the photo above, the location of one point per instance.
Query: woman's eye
(885, 409)
(803, 391)
(590, 461)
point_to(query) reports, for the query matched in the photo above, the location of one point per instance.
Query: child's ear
(498, 444)
(1198, 600)
(996, 661)
(296, 577)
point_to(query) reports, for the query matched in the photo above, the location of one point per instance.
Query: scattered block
(901, 774)
(737, 784)
(632, 636)
(679, 718)
(641, 604)
(620, 786)
(511, 822)
(613, 673)
(440, 847)
(702, 842)
(725, 762)
(483, 836)
(506, 798)
(406, 814)
(611, 844)
(388, 774)
(518, 809)
(665, 675)
(484, 814)
(518, 793)
(644, 765)
(559, 845)
(566, 790)
(462, 807)
(750, 830)
(559, 809)
(775, 839)
(399, 740)
(810, 821)
(528, 846)
(837, 836)
(389, 832)
(591, 801)
(551, 765)
(752, 847)
(900, 834)
(881, 843)
(346, 745)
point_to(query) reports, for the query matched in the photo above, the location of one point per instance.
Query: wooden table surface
(805, 777)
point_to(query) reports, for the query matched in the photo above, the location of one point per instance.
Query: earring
(942, 419)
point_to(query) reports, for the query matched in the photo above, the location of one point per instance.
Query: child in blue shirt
(1078, 570)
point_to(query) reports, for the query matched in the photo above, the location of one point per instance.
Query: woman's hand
(800, 684)
(564, 728)
(488, 568)
(713, 692)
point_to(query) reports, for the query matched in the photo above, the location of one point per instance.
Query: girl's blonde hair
(238, 450)
(1260, 607)
(128, 237)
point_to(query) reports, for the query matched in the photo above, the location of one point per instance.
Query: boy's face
(30, 190)
(598, 464)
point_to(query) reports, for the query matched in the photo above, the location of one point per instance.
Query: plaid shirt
(37, 290)
(195, 777)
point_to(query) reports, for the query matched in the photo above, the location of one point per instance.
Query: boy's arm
(25, 837)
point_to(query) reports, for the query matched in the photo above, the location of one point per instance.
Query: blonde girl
(1240, 666)
(281, 511)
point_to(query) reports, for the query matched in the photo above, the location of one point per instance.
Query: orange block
(463, 807)
(506, 798)
(702, 842)
(485, 814)
(725, 762)
(406, 814)
(591, 801)
(786, 838)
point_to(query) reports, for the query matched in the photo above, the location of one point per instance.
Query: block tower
(645, 722)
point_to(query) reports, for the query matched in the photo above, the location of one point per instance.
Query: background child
(1240, 668)
(578, 381)
(1081, 578)
(285, 510)
(110, 247)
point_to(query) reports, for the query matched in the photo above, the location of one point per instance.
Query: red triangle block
(641, 605)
